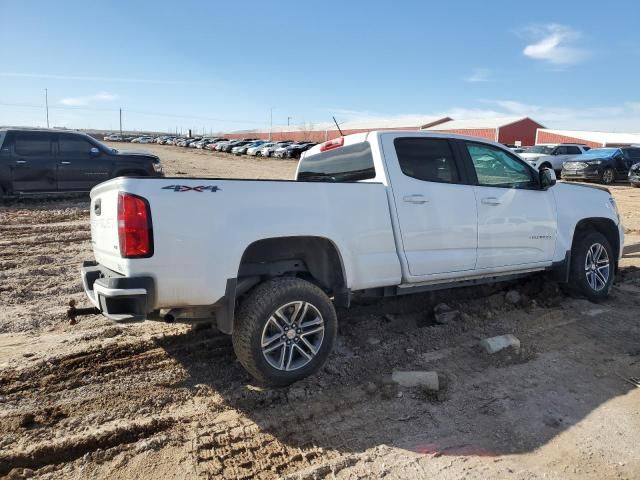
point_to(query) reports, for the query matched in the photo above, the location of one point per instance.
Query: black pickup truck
(57, 161)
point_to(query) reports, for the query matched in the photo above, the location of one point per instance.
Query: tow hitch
(74, 312)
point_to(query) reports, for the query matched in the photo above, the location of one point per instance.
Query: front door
(79, 167)
(32, 162)
(435, 210)
(516, 219)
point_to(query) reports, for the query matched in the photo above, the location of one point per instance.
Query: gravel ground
(150, 400)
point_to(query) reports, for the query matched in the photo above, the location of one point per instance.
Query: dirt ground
(153, 400)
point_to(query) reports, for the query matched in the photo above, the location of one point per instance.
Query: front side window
(428, 159)
(561, 151)
(30, 145)
(496, 168)
(73, 146)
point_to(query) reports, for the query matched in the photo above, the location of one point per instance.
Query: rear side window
(633, 153)
(428, 159)
(73, 146)
(344, 164)
(573, 151)
(32, 144)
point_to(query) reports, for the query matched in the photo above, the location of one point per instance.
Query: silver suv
(552, 156)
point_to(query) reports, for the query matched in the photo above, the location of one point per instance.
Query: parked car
(53, 161)
(295, 151)
(257, 150)
(268, 151)
(604, 165)
(242, 147)
(634, 175)
(229, 145)
(269, 256)
(214, 145)
(552, 156)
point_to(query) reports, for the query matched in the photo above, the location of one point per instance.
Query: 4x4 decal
(187, 188)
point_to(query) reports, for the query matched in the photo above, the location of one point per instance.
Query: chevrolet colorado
(380, 213)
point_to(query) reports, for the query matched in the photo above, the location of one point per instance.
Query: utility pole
(288, 119)
(271, 123)
(121, 124)
(46, 103)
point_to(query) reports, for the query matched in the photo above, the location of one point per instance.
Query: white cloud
(91, 99)
(479, 75)
(554, 43)
(622, 117)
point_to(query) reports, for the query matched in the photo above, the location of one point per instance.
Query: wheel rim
(597, 267)
(608, 176)
(292, 336)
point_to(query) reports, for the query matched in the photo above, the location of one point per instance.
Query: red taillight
(134, 226)
(331, 144)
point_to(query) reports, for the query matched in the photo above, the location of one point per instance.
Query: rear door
(32, 162)
(436, 211)
(79, 168)
(516, 219)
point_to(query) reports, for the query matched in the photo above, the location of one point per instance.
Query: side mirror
(547, 178)
(94, 151)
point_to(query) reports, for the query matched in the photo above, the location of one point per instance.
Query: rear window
(344, 164)
(32, 144)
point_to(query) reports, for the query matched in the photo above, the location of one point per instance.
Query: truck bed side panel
(200, 236)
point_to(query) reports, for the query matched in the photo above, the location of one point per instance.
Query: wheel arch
(318, 257)
(313, 258)
(605, 226)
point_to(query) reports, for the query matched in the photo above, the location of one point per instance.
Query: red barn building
(328, 131)
(506, 130)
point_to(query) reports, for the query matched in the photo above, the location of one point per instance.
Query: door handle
(20, 162)
(65, 163)
(491, 201)
(415, 199)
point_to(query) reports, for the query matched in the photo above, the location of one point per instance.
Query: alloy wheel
(292, 336)
(597, 267)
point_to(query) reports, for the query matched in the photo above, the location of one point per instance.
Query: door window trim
(468, 161)
(463, 176)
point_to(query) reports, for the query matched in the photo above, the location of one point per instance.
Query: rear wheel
(284, 331)
(592, 266)
(608, 176)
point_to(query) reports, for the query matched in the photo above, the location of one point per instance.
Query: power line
(135, 112)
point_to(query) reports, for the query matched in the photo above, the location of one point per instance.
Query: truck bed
(202, 226)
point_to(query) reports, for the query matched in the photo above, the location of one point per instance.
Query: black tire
(608, 176)
(579, 274)
(254, 319)
(545, 165)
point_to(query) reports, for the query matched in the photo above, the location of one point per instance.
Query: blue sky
(223, 66)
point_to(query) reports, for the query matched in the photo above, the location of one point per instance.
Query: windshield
(545, 149)
(600, 153)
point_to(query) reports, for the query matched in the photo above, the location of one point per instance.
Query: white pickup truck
(381, 213)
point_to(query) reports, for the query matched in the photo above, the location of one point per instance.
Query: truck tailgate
(104, 225)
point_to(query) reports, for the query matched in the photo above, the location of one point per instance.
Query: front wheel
(284, 331)
(592, 266)
(608, 176)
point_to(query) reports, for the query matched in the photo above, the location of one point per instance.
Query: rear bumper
(119, 298)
